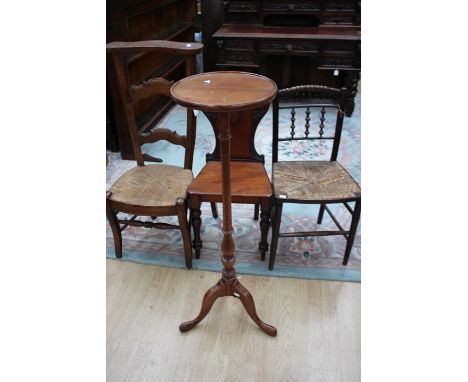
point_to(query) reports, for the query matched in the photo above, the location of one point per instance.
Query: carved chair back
(243, 127)
(304, 101)
(131, 93)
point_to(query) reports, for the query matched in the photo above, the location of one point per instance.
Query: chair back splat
(301, 101)
(243, 128)
(129, 94)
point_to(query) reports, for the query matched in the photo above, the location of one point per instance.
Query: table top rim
(223, 107)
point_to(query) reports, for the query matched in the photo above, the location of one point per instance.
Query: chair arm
(181, 48)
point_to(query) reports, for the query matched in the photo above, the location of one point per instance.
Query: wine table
(222, 93)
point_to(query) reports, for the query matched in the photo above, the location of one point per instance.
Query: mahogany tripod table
(222, 93)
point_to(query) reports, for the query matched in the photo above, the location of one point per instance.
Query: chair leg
(196, 225)
(115, 226)
(256, 210)
(275, 233)
(353, 229)
(214, 210)
(264, 227)
(320, 215)
(185, 230)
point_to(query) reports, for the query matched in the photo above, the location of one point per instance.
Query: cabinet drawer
(236, 58)
(240, 6)
(337, 61)
(242, 45)
(338, 46)
(288, 47)
(338, 18)
(291, 7)
(343, 5)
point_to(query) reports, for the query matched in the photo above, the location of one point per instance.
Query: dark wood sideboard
(293, 42)
(136, 20)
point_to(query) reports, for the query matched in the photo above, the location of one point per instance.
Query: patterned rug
(309, 258)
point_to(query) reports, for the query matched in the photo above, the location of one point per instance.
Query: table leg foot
(218, 290)
(249, 305)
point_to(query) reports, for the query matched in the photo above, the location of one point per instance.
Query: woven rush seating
(313, 181)
(152, 186)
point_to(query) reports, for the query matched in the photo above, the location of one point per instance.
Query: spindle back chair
(312, 181)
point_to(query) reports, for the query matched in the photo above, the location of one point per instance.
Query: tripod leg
(249, 305)
(218, 290)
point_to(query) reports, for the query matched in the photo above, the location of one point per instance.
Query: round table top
(224, 91)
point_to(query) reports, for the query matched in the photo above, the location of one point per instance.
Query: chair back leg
(264, 227)
(320, 214)
(256, 211)
(214, 210)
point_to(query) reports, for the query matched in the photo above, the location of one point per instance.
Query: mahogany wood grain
(248, 179)
(224, 91)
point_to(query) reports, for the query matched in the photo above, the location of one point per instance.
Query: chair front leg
(115, 226)
(275, 234)
(352, 231)
(196, 225)
(185, 230)
(264, 227)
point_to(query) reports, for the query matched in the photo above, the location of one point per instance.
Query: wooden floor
(318, 326)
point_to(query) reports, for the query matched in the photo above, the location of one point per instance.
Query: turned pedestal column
(222, 93)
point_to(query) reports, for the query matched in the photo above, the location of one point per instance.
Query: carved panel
(339, 5)
(328, 19)
(337, 61)
(273, 46)
(240, 18)
(241, 6)
(291, 6)
(236, 58)
(338, 46)
(238, 45)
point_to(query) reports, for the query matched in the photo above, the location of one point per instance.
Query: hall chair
(320, 182)
(250, 183)
(153, 190)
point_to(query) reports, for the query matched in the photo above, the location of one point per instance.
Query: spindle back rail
(309, 97)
